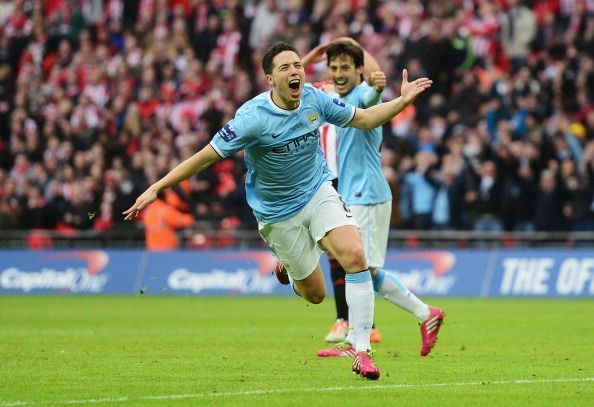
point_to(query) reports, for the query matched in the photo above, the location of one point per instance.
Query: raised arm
(189, 167)
(378, 83)
(374, 116)
(315, 55)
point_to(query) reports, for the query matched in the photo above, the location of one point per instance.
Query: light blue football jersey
(285, 166)
(361, 179)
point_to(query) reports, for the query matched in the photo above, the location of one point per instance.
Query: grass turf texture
(148, 350)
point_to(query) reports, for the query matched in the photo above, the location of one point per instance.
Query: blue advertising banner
(212, 273)
(440, 272)
(72, 271)
(466, 273)
(544, 273)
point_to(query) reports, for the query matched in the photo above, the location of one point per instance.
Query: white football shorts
(295, 240)
(374, 227)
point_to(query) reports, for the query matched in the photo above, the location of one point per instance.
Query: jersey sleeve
(369, 96)
(236, 134)
(334, 110)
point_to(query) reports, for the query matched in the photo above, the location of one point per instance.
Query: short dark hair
(346, 48)
(273, 51)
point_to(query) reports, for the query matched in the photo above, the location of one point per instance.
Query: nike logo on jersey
(276, 135)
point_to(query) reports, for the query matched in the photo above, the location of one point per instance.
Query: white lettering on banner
(75, 280)
(424, 281)
(526, 276)
(574, 275)
(243, 281)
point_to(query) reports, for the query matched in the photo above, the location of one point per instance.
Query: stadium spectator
(263, 24)
(517, 31)
(162, 219)
(419, 191)
(550, 203)
(489, 202)
(442, 215)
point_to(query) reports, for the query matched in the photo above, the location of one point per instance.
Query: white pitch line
(282, 391)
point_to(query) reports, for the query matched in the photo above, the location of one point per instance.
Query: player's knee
(353, 259)
(316, 297)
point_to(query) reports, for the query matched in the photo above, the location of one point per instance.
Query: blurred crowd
(100, 98)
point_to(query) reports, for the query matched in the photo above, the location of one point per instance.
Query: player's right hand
(378, 80)
(148, 196)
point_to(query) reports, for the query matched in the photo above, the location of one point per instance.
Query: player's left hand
(318, 54)
(378, 80)
(410, 90)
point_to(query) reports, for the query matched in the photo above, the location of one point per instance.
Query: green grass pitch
(238, 351)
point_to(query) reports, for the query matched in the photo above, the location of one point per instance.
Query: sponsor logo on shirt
(228, 133)
(298, 143)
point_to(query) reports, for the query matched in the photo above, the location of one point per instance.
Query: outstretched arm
(374, 116)
(191, 166)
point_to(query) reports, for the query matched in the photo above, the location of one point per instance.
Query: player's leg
(429, 318)
(298, 255)
(374, 227)
(374, 223)
(313, 287)
(333, 226)
(340, 328)
(344, 243)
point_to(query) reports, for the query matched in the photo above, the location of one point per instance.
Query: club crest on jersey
(313, 118)
(228, 133)
(338, 102)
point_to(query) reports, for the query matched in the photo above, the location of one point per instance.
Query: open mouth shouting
(295, 87)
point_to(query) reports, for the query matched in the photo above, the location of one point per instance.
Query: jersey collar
(280, 109)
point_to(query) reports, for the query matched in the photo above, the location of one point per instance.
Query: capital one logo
(424, 272)
(76, 272)
(237, 273)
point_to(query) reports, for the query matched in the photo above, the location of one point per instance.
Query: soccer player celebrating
(288, 187)
(362, 184)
